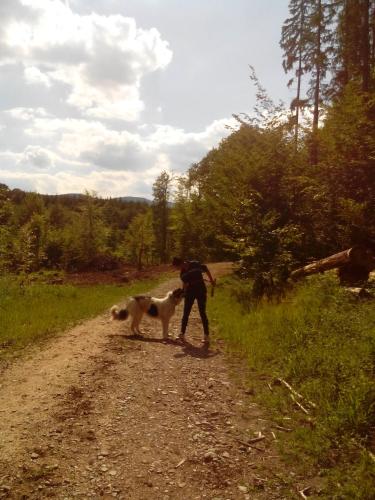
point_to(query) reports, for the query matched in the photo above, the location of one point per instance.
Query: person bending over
(191, 274)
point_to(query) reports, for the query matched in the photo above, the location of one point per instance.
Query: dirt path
(97, 414)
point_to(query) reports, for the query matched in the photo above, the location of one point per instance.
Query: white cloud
(101, 59)
(26, 113)
(37, 157)
(103, 182)
(34, 75)
(72, 83)
(95, 157)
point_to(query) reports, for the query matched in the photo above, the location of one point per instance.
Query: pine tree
(306, 40)
(354, 51)
(160, 209)
(293, 38)
(7, 230)
(139, 240)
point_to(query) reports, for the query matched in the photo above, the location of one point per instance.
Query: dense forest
(68, 232)
(290, 184)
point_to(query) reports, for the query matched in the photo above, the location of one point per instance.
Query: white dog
(162, 309)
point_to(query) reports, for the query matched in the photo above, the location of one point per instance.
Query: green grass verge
(37, 310)
(322, 342)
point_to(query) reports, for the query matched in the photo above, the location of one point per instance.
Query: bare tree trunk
(345, 56)
(365, 49)
(299, 75)
(318, 62)
(372, 52)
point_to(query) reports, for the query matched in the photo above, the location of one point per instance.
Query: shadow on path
(187, 349)
(142, 338)
(202, 351)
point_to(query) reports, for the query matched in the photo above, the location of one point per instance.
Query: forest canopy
(292, 183)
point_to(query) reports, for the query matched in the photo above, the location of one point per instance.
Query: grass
(322, 342)
(37, 310)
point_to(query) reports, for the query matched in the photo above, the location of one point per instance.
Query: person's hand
(213, 284)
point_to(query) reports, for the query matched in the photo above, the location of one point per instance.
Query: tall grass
(322, 342)
(32, 312)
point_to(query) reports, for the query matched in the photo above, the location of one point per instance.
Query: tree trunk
(318, 62)
(365, 49)
(345, 49)
(358, 257)
(299, 75)
(372, 52)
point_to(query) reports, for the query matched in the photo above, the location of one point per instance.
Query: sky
(104, 95)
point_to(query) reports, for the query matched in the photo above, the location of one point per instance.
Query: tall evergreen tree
(365, 45)
(293, 39)
(306, 40)
(139, 240)
(7, 230)
(354, 55)
(320, 52)
(160, 209)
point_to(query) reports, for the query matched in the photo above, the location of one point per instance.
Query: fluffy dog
(162, 309)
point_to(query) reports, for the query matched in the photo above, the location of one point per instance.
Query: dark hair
(177, 261)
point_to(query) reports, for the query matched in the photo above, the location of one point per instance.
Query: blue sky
(105, 94)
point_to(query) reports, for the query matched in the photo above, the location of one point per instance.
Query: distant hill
(125, 199)
(78, 196)
(135, 199)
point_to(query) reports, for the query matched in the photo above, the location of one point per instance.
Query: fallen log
(359, 293)
(357, 261)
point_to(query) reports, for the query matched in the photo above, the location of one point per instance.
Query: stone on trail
(242, 488)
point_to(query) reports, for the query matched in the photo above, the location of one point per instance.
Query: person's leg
(188, 304)
(202, 300)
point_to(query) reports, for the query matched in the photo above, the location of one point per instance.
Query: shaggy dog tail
(120, 314)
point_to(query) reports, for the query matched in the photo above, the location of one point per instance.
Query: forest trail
(94, 413)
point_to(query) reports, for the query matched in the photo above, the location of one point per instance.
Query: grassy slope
(323, 343)
(37, 310)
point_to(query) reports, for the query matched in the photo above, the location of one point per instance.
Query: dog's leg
(133, 325)
(165, 324)
(139, 319)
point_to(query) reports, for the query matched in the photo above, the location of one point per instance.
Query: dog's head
(177, 295)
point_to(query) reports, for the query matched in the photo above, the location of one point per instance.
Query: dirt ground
(123, 274)
(96, 413)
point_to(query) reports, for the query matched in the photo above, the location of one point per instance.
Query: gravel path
(95, 413)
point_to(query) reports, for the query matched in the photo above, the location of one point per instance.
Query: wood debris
(280, 381)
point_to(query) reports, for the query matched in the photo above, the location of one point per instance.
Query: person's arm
(212, 281)
(207, 271)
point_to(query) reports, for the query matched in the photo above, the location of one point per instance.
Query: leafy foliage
(139, 240)
(63, 232)
(258, 198)
(160, 208)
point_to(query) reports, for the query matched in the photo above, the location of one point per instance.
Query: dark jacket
(192, 277)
